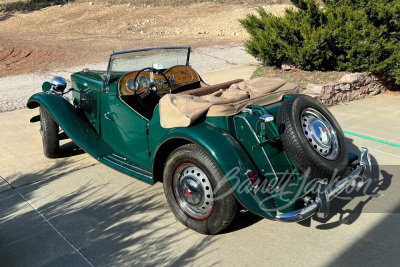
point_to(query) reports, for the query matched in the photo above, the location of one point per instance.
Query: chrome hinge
(108, 116)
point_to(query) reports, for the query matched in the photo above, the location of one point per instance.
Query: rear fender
(231, 159)
(72, 121)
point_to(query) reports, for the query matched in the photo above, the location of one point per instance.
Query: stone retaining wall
(349, 87)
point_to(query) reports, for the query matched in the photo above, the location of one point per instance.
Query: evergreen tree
(351, 35)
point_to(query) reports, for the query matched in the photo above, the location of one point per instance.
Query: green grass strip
(372, 139)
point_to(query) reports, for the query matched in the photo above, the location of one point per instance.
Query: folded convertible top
(179, 110)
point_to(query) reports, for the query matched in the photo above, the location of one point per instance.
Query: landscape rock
(351, 78)
(350, 87)
(344, 86)
(355, 94)
(315, 89)
(288, 66)
(345, 98)
(364, 90)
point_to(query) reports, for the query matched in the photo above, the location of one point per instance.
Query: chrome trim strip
(321, 203)
(128, 165)
(118, 156)
(150, 177)
(150, 48)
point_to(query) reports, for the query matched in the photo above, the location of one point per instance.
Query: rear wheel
(49, 130)
(312, 137)
(191, 178)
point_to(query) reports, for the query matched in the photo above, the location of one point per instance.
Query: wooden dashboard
(178, 76)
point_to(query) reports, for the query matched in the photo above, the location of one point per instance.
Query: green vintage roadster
(255, 144)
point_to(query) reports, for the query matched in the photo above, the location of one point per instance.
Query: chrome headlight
(58, 84)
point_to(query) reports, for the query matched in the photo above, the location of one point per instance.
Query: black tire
(304, 150)
(223, 203)
(49, 130)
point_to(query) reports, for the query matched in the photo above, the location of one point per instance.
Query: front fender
(231, 159)
(72, 121)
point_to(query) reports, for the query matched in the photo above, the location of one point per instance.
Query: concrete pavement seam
(11, 187)
(390, 154)
(391, 140)
(50, 224)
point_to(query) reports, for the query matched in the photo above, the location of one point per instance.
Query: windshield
(159, 58)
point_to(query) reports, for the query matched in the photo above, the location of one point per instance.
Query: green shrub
(343, 35)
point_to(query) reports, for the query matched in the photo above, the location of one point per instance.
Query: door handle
(108, 116)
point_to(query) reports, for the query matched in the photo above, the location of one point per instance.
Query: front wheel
(49, 131)
(197, 192)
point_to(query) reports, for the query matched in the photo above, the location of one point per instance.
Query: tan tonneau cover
(179, 110)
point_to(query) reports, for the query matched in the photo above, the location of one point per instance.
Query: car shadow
(363, 193)
(243, 219)
(70, 149)
(129, 227)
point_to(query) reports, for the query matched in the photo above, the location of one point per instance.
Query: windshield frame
(110, 63)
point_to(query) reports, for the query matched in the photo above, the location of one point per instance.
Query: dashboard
(178, 76)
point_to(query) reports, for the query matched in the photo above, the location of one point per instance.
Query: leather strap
(210, 89)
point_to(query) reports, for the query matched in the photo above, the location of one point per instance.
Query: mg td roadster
(255, 144)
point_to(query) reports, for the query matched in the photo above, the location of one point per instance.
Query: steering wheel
(152, 94)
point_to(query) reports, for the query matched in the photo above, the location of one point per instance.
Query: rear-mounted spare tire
(312, 137)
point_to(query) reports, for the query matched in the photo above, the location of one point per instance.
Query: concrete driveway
(73, 211)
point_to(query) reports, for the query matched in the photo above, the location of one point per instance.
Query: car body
(245, 157)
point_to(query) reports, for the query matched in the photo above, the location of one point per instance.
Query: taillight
(253, 178)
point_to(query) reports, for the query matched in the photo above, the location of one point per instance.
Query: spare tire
(312, 137)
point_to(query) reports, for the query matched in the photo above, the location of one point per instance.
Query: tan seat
(181, 110)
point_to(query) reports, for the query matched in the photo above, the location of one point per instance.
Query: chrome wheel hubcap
(193, 191)
(320, 134)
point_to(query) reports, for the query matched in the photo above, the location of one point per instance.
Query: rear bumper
(321, 204)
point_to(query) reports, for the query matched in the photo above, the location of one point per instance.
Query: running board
(122, 164)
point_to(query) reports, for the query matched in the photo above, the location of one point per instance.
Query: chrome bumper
(321, 204)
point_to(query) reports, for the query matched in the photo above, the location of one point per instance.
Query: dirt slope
(77, 34)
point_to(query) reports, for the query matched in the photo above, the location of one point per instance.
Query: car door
(123, 129)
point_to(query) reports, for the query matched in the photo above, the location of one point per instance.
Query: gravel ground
(65, 36)
(16, 90)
